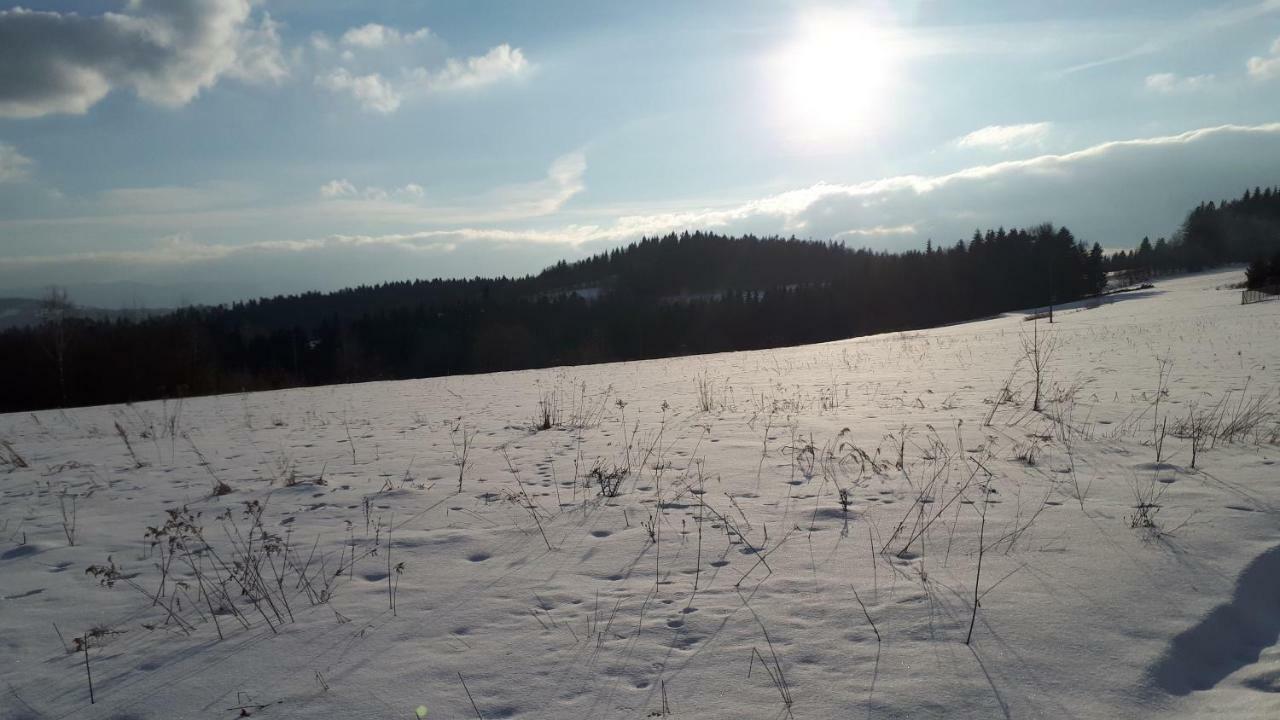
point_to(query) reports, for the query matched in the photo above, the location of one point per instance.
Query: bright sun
(834, 79)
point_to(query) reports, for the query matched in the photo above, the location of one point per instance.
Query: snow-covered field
(724, 579)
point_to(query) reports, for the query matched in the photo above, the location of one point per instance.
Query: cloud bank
(1112, 193)
(165, 51)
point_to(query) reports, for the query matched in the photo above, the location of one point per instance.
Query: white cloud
(377, 93)
(1006, 137)
(500, 63)
(564, 180)
(876, 232)
(166, 51)
(343, 188)
(321, 42)
(259, 56)
(373, 36)
(338, 188)
(1171, 83)
(1268, 67)
(13, 164)
(374, 92)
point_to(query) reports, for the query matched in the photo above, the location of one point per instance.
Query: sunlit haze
(834, 79)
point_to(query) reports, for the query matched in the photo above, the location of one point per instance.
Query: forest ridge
(673, 295)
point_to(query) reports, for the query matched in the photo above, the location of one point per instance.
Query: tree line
(1243, 230)
(673, 295)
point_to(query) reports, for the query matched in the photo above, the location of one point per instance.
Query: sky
(165, 152)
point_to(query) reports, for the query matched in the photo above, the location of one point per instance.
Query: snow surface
(1081, 614)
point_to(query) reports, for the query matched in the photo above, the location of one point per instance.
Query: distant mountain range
(135, 295)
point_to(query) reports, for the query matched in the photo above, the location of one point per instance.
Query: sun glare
(833, 81)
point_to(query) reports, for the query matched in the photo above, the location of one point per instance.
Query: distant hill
(672, 295)
(18, 312)
(131, 294)
(25, 312)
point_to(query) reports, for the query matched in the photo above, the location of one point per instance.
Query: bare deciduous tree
(1038, 349)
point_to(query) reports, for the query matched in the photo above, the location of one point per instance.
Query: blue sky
(165, 151)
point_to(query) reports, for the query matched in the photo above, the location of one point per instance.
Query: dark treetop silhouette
(673, 295)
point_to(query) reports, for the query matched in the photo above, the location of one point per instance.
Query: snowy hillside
(786, 533)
